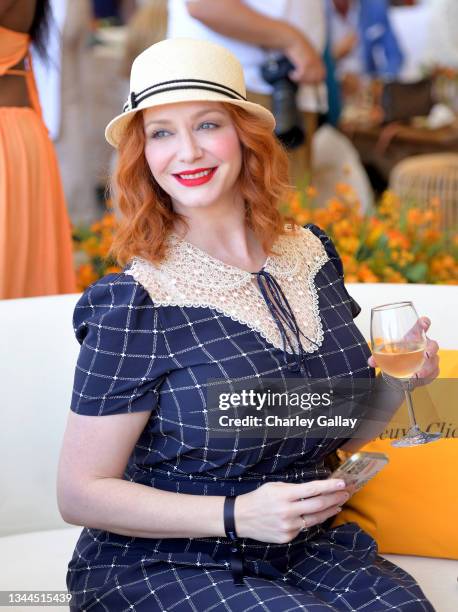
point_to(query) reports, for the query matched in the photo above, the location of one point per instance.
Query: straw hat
(183, 70)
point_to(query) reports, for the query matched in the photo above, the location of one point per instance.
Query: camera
(289, 124)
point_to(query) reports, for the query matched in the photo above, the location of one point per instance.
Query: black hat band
(135, 99)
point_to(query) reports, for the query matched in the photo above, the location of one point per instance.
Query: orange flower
(311, 192)
(431, 236)
(390, 199)
(295, 205)
(350, 244)
(443, 268)
(112, 270)
(91, 246)
(336, 207)
(344, 227)
(350, 265)
(322, 218)
(429, 215)
(397, 239)
(96, 227)
(408, 256)
(448, 262)
(366, 275)
(302, 218)
(344, 189)
(389, 206)
(105, 245)
(109, 221)
(86, 275)
(374, 235)
(414, 216)
(390, 275)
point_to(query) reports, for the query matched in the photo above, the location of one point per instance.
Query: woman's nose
(189, 147)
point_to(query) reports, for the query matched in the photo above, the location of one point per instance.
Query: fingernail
(341, 484)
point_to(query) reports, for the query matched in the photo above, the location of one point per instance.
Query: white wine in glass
(398, 345)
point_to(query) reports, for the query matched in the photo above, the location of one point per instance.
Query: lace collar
(190, 277)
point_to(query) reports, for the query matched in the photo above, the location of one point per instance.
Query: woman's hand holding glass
(429, 371)
(277, 512)
(406, 357)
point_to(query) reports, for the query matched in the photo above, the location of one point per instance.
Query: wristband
(229, 528)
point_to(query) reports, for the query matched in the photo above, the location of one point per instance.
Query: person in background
(116, 11)
(335, 159)
(106, 9)
(148, 25)
(66, 100)
(362, 39)
(253, 30)
(36, 255)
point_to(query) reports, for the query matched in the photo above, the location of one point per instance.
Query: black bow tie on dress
(283, 316)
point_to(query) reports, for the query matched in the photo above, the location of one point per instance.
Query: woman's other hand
(277, 511)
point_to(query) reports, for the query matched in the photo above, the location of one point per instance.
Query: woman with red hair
(218, 292)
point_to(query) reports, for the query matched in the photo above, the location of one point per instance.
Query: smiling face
(194, 153)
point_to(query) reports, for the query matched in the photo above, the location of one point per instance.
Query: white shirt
(341, 27)
(442, 43)
(308, 16)
(413, 27)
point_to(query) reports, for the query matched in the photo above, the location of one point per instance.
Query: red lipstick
(194, 182)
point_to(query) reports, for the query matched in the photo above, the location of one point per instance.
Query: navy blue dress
(136, 356)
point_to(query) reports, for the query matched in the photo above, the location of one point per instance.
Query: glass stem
(410, 408)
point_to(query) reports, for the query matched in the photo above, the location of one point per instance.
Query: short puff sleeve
(337, 262)
(119, 368)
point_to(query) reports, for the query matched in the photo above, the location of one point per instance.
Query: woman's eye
(161, 133)
(157, 133)
(208, 123)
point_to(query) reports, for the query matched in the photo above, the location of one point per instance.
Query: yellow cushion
(411, 506)
(448, 364)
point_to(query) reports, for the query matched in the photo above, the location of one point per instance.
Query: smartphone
(360, 468)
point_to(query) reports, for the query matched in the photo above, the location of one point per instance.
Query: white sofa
(37, 364)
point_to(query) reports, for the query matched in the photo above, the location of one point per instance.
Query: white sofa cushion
(37, 561)
(438, 579)
(36, 381)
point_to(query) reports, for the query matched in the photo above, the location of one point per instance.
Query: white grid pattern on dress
(136, 355)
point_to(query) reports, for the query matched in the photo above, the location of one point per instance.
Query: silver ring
(304, 528)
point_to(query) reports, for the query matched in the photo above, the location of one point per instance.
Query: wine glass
(398, 345)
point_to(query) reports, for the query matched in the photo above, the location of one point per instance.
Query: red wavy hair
(145, 212)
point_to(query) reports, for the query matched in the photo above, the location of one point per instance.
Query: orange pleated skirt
(36, 255)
